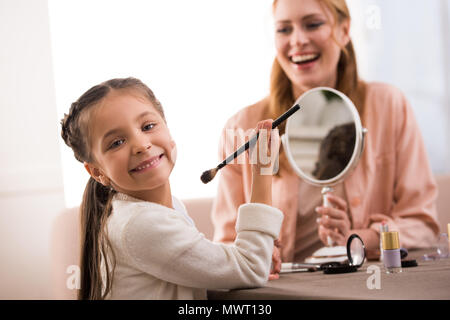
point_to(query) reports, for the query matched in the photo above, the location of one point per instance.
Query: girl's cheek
(173, 152)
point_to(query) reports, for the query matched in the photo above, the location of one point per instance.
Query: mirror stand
(325, 191)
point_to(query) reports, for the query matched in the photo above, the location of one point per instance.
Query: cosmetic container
(383, 228)
(391, 252)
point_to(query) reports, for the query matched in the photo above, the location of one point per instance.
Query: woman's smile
(304, 61)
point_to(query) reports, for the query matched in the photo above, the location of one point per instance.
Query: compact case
(356, 254)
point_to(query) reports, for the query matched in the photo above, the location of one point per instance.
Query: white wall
(31, 189)
(409, 47)
(207, 59)
(203, 59)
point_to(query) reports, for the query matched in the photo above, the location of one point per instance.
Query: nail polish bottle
(383, 228)
(391, 252)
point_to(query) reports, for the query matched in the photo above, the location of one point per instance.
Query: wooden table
(429, 280)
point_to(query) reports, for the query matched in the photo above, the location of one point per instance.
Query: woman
(392, 181)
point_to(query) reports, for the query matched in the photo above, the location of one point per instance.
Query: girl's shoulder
(126, 207)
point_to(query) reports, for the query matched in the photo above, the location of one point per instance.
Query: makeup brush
(208, 175)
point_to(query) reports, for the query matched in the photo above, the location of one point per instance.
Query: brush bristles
(208, 175)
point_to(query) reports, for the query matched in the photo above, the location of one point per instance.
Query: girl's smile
(148, 164)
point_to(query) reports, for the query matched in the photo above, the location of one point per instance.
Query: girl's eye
(148, 127)
(116, 143)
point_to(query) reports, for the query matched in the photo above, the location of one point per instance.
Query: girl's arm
(160, 243)
(163, 246)
(239, 183)
(265, 159)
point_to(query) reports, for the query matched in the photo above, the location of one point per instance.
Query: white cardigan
(161, 255)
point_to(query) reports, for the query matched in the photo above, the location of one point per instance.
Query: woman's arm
(415, 191)
(400, 186)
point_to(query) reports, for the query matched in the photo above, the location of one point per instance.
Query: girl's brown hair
(97, 199)
(281, 95)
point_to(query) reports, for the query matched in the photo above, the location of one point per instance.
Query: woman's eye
(148, 127)
(315, 25)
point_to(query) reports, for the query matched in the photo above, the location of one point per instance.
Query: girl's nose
(141, 144)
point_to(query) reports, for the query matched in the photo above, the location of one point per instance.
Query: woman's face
(304, 42)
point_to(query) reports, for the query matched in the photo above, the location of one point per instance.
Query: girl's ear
(97, 174)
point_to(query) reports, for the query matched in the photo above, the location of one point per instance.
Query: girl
(393, 180)
(138, 242)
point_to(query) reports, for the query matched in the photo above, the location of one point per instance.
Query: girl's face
(305, 47)
(131, 145)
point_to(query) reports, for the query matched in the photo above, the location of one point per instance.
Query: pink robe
(392, 180)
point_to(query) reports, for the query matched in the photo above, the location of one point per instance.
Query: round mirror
(325, 140)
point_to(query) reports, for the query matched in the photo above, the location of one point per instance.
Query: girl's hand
(263, 156)
(276, 262)
(334, 221)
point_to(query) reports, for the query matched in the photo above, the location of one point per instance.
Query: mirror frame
(357, 151)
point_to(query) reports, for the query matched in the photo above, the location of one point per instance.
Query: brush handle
(285, 115)
(253, 140)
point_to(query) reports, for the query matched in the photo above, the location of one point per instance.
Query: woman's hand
(334, 221)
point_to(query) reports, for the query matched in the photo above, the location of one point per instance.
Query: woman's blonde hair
(281, 95)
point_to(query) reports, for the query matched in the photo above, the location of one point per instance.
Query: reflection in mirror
(335, 151)
(322, 136)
